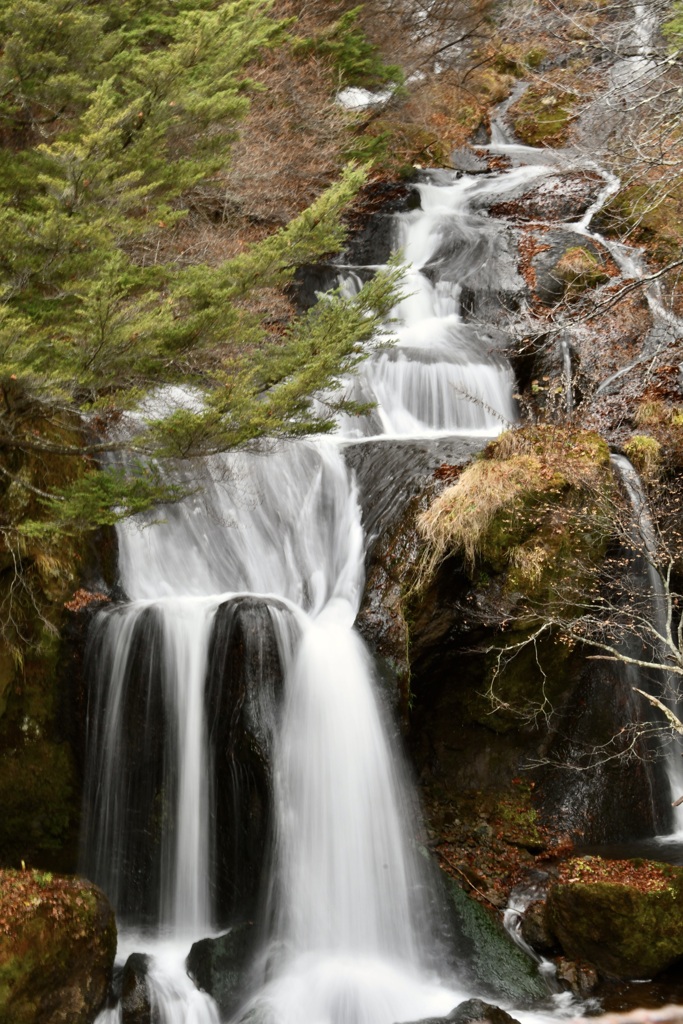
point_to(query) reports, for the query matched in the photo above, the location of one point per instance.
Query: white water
(443, 375)
(350, 938)
(645, 543)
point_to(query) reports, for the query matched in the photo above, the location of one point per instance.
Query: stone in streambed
(472, 1011)
(57, 947)
(219, 966)
(136, 1006)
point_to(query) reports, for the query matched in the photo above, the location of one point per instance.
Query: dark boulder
(136, 1007)
(477, 1010)
(242, 698)
(220, 966)
(623, 917)
(471, 1011)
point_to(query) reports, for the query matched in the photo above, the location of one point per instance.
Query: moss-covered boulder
(624, 917)
(487, 953)
(57, 947)
(533, 509)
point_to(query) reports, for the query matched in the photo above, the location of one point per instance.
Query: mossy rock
(57, 948)
(628, 927)
(646, 454)
(497, 965)
(579, 269)
(541, 117)
(533, 511)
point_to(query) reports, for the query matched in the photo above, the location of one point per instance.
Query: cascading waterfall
(443, 375)
(350, 938)
(665, 685)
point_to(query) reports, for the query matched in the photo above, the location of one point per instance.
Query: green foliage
(673, 29)
(109, 114)
(356, 59)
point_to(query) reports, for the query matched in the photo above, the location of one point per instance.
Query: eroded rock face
(623, 917)
(57, 947)
(395, 479)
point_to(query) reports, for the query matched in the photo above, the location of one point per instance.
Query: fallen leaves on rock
(642, 875)
(23, 894)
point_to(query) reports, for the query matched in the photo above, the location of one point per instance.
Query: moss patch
(498, 966)
(514, 510)
(646, 455)
(579, 269)
(542, 116)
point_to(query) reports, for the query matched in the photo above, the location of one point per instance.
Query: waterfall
(444, 375)
(664, 685)
(232, 679)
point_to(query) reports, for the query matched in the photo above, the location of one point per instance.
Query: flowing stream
(348, 934)
(348, 937)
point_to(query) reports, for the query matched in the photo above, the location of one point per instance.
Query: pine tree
(109, 114)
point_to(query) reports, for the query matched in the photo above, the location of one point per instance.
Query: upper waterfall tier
(443, 375)
(285, 524)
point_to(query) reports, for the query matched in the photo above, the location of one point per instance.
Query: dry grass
(519, 464)
(460, 517)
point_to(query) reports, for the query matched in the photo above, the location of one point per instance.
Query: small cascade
(521, 897)
(444, 375)
(663, 684)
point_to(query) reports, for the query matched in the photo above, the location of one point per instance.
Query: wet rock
(535, 928)
(242, 700)
(57, 948)
(135, 1001)
(466, 160)
(471, 1011)
(625, 918)
(219, 966)
(554, 197)
(394, 479)
(477, 1010)
(580, 978)
(496, 965)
